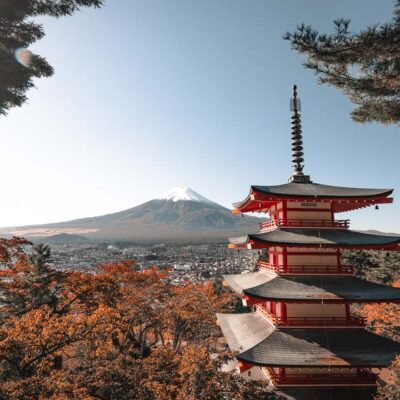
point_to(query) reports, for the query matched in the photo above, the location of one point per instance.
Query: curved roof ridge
(322, 287)
(322, 348)
(315, 237)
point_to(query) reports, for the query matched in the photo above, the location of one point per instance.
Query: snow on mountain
(183, 193)
(180, 215)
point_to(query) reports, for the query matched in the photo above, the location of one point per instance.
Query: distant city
(197, 263)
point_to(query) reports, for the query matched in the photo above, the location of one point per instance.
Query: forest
(114, 334)
(120, 333)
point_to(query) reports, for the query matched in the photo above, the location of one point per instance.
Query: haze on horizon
(149, 95)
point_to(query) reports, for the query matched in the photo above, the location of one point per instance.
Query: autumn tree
(116, 334)
(18, 66)
(391, 391)
(364, 65)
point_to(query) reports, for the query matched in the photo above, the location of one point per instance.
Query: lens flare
(23, 56)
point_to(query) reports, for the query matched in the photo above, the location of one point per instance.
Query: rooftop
(344, 198)
(268, 285)
(304, 347)
(317, 238)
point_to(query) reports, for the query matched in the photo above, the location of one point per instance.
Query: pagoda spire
(297, 141)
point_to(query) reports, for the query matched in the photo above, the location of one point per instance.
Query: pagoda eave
(317, 238)
(261, 203)
(253, 300)
(310, 289)
(259, 245)
(326, 365)
(304, 347)
(258, 201)
(264, 286)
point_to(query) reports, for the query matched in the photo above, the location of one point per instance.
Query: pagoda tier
(264, 286)
(316, 238)
(263, 198)
(259, 342)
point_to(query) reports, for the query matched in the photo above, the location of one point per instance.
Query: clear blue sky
(152, 94)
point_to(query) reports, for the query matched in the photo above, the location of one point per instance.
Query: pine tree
(18, 66)
(41, 277)
(365, 66)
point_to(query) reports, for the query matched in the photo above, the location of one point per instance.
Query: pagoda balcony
(362, 377)
(307, 269)
(304, 223)
(351, 321)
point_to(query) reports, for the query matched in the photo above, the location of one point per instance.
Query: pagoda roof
(244, 331)
(268, 285)
(316, 237)
(292, 189)
(241, 282)
(269, 195)
(329, 393)
(298, 348)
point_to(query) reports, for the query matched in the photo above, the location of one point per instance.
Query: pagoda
(300, 333)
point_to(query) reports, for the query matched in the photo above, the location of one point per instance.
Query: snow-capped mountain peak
(184, 193)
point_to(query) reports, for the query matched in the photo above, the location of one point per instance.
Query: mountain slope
(179, 215)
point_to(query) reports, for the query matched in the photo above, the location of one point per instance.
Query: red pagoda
(301, 334)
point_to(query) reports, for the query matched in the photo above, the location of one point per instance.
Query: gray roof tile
(315, 237)
(259, 343)
(268, 285)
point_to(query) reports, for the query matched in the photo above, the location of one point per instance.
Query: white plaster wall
(302, 371)
(312, 260)
(309, 214)
(307, 249)
(308, 205)
(316, 310)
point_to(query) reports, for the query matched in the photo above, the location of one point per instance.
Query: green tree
(41, 277)
(365, 66)
(374, 266)
(363, 263)
(31, 283)
(18, 66)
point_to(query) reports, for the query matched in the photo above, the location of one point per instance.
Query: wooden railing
(352, 320)
(304, 223)
(306, 269)
(363, 376)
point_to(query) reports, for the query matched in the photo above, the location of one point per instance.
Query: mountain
(64, 238)
(180, 215)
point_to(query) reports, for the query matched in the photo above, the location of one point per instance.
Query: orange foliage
(383, 318)
(115, 334)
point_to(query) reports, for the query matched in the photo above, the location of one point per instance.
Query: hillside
(179, 215)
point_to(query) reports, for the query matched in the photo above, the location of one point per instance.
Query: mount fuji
(184, 193)
(179, 215)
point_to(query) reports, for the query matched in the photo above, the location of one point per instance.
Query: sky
(152, 94)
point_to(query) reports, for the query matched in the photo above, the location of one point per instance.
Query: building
(301, 332)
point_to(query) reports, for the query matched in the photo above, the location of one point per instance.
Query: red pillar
(284, 212)
(347, 312)
(338, 259)
(284, 313)
(281, 374)
(285, 259)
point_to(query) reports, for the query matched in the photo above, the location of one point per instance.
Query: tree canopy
(365, 65)
(18, 66)
(115, 334)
